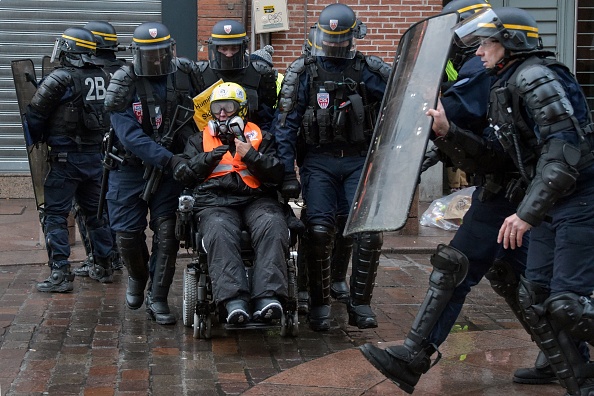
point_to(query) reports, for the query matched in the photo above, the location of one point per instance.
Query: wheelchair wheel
(294, 324)
(202, 327)
(189, 297)
(283, 323)
(289, 325)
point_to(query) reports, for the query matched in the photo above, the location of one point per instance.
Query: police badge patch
(323, 99)
(137, 109)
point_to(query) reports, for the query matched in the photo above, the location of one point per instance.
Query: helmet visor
(229, 106)
(228, 56)
(57, 50)
(333, 44)
(483, 24)
(154, 60)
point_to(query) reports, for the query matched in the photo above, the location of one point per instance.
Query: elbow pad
(121, 89)
(51, 90)
(555, 178)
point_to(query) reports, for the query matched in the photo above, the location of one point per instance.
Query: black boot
(86, 265)
(60, 279)
(134, 255)
(541, 373)
(341, 256)
(366, 254)
(321, 239)
(101, 271)
(404, 364)
(399, 365)
(165, 257)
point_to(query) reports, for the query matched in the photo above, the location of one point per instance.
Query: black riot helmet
(513, 27)
(336, 31)
(465, 8)
(105, 35)
(233, 41)
(75, 47)
(153, 50)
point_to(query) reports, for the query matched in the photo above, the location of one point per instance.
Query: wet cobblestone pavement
(88, 343)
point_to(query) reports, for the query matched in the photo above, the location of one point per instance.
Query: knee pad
(574, 313)
(320, 240)
(165, 227)
(450, 267)
(531, 296)
(503, 279)
(370, 240)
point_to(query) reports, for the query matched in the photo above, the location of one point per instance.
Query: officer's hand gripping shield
(25, 83)
(391, 173)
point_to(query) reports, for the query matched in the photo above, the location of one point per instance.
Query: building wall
(386, 21)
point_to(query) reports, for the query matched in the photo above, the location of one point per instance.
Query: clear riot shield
(47, 66)
(25, 84)
(390, 177)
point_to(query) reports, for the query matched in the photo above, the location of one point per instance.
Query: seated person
(234, 172)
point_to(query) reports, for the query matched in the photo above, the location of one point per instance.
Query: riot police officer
(151, 111)
(67, 112)
(510, 49)
(107, 46)
(229, 60)
(335, 94)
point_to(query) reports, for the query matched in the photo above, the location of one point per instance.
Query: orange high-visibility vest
(229, 163)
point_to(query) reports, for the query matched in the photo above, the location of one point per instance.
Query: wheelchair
(199, 307)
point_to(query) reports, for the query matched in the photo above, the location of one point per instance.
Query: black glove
(214, 157)
(291, 187)
(184, 174)
(175, 161)
(431, 158)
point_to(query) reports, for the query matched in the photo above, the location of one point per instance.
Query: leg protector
(302, 282)
(366, 253)
(341, 256)
(165, 257)
(573, 313)
(557, 346)
(320, 239)
(135, 255)
(404, 364)
(505, 283)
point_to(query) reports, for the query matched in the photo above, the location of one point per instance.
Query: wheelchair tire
(202, 327)
(189, 296)
(294, 324)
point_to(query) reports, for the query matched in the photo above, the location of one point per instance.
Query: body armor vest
(159, 112)
(337, 109)
(84, 118)
(505, 113)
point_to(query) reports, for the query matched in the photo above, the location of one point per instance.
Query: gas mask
(229, 129)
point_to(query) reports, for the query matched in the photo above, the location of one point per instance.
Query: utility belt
(354, 151)
(494, 183)
(60, 155)
(127, 158)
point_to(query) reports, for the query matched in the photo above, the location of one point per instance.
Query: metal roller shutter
(29, 28)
